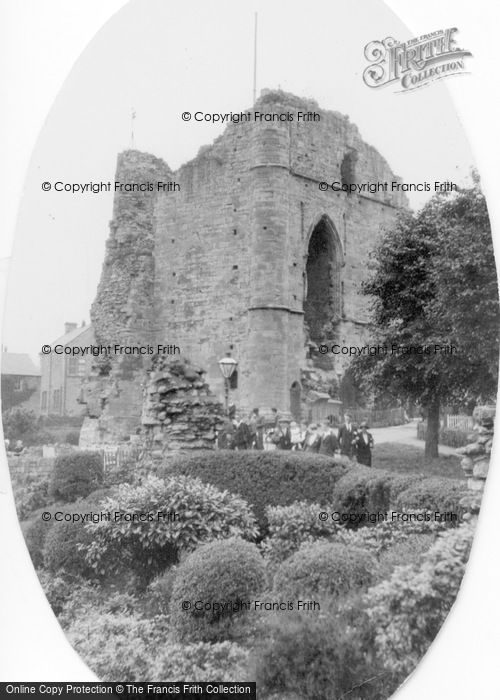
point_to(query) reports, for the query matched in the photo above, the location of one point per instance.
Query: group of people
(350, 440)
(279, 432)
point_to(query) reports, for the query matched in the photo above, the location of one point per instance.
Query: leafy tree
(19, 423)
(433, 284)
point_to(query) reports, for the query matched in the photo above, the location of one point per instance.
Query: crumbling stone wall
(179, 410)
(232, 247)
(476, 459)
(123, 310)
(221, 265)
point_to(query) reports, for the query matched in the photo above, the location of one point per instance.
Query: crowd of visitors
(280, 432)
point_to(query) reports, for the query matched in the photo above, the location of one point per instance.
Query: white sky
(199, 56)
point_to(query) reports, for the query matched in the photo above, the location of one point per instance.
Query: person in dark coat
(242, 439)
(346, 436)
(312, 441)
(285, 442)
(363, 444)
(329, 443)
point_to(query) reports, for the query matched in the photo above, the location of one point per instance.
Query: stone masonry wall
(476, 459)
(220, 266)
(123, 310)
(179, 410)
(232, 245)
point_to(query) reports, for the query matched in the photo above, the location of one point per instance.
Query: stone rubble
(476, 459)
(179, 410)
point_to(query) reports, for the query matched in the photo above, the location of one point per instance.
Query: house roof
(72, 335)
(18, 364)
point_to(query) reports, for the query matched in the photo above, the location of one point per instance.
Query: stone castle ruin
(249, 257)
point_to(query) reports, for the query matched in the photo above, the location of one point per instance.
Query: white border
(39, 43)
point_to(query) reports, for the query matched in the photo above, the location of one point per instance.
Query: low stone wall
(36, 460)
(21, 466)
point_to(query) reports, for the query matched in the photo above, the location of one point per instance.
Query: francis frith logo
(414, 63)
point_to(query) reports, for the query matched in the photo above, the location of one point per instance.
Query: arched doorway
(322, 304)
(295, 401)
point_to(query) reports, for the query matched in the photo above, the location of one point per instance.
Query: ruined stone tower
(250, 256)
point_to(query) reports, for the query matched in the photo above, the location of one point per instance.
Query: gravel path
(407, 435)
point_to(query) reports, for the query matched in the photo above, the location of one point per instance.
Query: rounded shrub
(146, 543)
(291, 526)
(401, 482)
(363, 489)
(434, 494)
(324, 568)
(76, 475)
(36, 529)
(274, 478)
(212, 583)
(65, 547)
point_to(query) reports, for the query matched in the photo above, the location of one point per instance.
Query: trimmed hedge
(226, 572)
(401, 482)
(433, 494)
(324, 568)
(274, 478)
(363, 489)
(292, 526)
(76, 475)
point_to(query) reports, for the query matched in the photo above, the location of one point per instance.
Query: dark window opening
(348, 168)
(233, 380)
(322, 305)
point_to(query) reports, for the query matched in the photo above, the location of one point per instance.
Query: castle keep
(250, 256)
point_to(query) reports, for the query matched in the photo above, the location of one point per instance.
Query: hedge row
(275, 478)
(281, 478)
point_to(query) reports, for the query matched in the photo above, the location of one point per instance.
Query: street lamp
(339, 380)
(227, 366)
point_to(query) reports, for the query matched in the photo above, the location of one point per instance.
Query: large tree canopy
(433, 285)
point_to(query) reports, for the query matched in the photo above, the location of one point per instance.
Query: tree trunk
(432, 436)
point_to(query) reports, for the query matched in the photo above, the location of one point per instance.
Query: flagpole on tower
(132, 117)
(255, 61)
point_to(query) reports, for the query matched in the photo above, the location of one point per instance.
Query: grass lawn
(396, 457)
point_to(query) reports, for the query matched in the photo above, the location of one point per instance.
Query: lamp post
(339, 379)
(227, 366)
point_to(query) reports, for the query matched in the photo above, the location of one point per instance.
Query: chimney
(68, 327)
